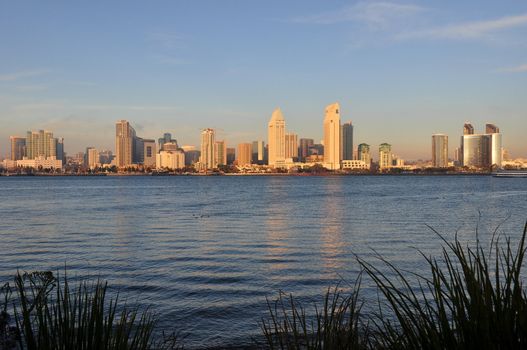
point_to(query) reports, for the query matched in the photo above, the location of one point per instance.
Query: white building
(276, 139)
(40, 162)
(355, 164)
(170, 160)
(332, 137)
(207, 148)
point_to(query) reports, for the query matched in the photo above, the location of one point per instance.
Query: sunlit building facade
(291, 146)
(276, 139)
(439, 151)
(220, 153)
(207, 148)
(385, 156)
(244, 154)
(332, 137)
(18, 147)
(347, 141)
(363, 153)
(124, 143)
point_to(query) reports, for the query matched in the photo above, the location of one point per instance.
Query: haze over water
(205, 252)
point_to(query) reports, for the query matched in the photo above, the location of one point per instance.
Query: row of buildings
(39, 149)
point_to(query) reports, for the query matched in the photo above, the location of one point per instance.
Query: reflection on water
(205, 252)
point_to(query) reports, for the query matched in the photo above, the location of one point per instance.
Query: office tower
(149, 153)
(171, 159)
(439, 151)
(105, 157)
(276, 139)
(468, 129)
(385, 155)
(258, 152)
(347, 141)
(244, 154)
(207, 148)
(138, 150)
(91, 158)
(18, 147)
(303, 151)
(40, 144)
(220, 153)
(192, 156)
(231, 155)
(124, 143)
(59, 149)
(363, 153)
(495, 144)
(167, 138)
(291, 146)
(332, 137)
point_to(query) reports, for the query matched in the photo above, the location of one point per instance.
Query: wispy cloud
(517, 69)
(377, 14)
(469, 30)
(167, 40)
(20, 75)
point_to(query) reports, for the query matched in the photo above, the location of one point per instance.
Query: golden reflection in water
(332, 230)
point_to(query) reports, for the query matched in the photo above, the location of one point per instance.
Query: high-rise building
(124, 143)
(439, 151)
(332, 137)
(482, 150)
(363, 153)
(258, 152)
(385, 156)
(207, 148)
(291, 146)
(59, 148)
(231, 155)
(244, 154)
(105, 157)
(91, 158)
(149, 153)
(347, 141)
(18, 147)
(276, 139)
(167, 138)
(170, 159)
(40, 144)
(220, 153)
(468, 129)
(303, 150)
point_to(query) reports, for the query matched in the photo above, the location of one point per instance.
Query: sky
(401, 70)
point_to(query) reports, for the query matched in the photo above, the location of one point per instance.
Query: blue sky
(401, 70)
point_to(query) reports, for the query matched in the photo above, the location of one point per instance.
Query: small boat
(510, 173)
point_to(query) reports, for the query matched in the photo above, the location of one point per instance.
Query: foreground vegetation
(473, 297)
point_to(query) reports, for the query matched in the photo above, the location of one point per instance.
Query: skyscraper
(91, 157)
(347, 141)
(220, 153)
(439, 151)
(244, 154)
(303, 150)
(495, 144)
(291, 146)
(332, 137)
(18, 147)
(231, 155)
(59, 148)
(482, 150)
(276, 141)
(149, 153)
(258, 151)
(40, 144)
(363, 152)
(385, 155)
(468, 129)
(207, 148)
(124, 143)
(167, 138)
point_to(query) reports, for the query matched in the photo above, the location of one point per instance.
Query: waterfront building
(355, 165)
(220, 153)
(91, 158)
(59, 149)
(482, 150)
(244, 154)
(192, 157)
(276, 139)
(105, 157)
(439, 151)
(207, 149)
(291, 146)
(231, 155)
(18, 147)
(167, 138)
(258, 152)
(468, 129)
(149, 153)
(332, 137)
(171, 160)
(124, 143)
(385, 156)
(346, 141)
(40, 144)
(363, 153)
(303, 150)
(40, 162)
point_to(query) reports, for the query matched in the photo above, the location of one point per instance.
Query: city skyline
(414, 68)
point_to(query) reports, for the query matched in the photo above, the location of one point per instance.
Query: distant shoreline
(245, 174)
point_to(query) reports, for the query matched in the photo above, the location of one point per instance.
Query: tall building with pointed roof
(276, 139)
